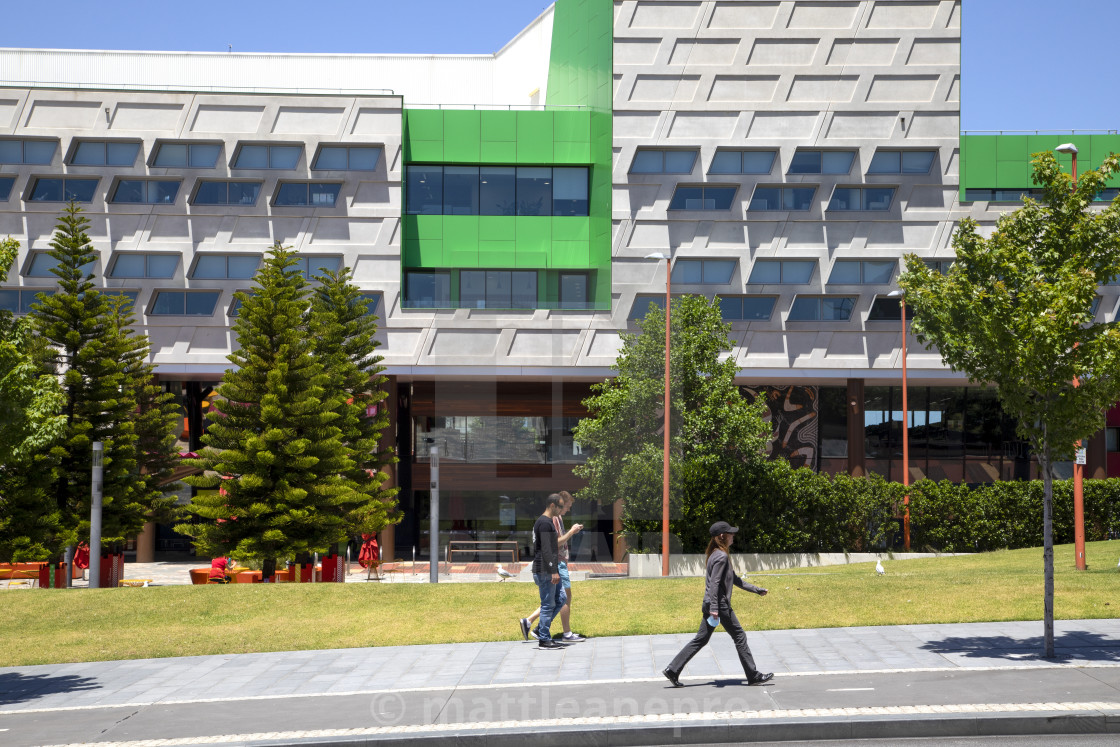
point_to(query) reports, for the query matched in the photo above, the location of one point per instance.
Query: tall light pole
(1078, 461)
(901, 295)
(665, 463)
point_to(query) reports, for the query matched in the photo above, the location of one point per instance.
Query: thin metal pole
(1078, 472)
(433, 523)
(665, 465)
(905, 438)
(95, 520)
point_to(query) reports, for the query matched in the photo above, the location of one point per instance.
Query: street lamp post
(1078, 466)
(905, 429)
(665, 427)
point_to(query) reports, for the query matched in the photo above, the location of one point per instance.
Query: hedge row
(779, 509)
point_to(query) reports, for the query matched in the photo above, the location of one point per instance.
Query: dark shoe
(536, 631)
(524, 628)
(761, 678)
(673, 677)
(550, 644)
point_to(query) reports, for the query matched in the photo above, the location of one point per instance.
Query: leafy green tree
(30, 423)
(87, 350)
(716, 434)
(274, 456)
(343, 330)
(1015, 310)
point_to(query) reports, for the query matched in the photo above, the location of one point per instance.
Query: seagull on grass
(879, 567)
(504, 574)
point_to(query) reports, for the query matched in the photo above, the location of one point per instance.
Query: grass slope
(45, 627)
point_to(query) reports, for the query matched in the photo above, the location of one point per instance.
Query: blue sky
(1015, 52)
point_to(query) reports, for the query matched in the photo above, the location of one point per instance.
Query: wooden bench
(497, 547)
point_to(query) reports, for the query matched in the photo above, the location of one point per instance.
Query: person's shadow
(20, 688)
(1069, 646)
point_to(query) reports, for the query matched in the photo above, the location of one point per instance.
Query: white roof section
(509, 77)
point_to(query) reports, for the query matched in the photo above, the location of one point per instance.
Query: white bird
(504, 574)
(879, 567)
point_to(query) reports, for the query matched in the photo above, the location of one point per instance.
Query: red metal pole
(1078, 474)
(665, 465)
(905, 438)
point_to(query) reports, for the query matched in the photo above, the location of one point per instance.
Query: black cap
(722, 527)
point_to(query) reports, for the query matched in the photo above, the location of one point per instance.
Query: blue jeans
(552, 599)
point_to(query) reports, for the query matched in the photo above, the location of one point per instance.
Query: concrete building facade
(500, 210)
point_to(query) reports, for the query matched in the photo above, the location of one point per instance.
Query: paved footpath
(889, 682)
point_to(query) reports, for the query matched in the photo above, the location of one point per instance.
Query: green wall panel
(1004, 161)
(574, 129)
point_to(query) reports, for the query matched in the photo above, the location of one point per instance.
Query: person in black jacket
(721, 577)
(546, 569)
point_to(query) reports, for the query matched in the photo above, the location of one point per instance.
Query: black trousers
(731, 624)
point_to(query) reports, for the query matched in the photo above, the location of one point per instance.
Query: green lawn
(91, 625)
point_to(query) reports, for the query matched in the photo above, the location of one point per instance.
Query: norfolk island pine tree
(273, 456)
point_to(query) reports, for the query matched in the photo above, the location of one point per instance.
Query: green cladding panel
(574, 129)
(1004, 161)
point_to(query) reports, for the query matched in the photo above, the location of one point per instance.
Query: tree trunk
(268, 570)
(1047, 548)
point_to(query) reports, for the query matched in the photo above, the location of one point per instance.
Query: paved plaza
(914, 680)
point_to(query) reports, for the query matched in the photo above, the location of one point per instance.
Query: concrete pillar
(855, 428)
(146, 544)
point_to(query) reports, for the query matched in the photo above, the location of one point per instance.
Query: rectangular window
(569, 191)
(821, 162)
(460, 190)
(901, 162)
(145, 191)
(427, 289)
(312, 266)
(226, 266)
(861, 198)
(63, 189)
(574, 290)
(742, 162)
(821, 309)
(642, 302)
(267, 156)
(782, 198)
(6, 183)
(1001, 195)
(129, 265)
(39, 152)
(19, 300)
(42, 263)
(425, 190)
(534, 190)
(746, 308)
(702, 198)
(306, 194)
(226, 193)
(650, 161)
(498, 289)
(939, 265)
(187, 155)
(346, 158)
(184, 303)
(888, 309)
(105, 153)
(372, 300)
(785, 271)
(855, 272)
(703, 271)
(497, 190)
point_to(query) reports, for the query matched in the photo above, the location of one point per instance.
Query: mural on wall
(793, 418)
